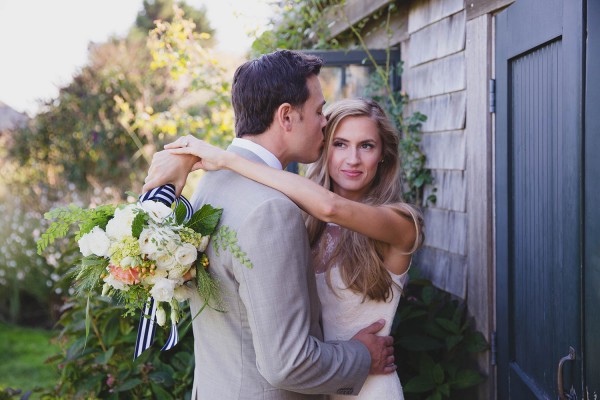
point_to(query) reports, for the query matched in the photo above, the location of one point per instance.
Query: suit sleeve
(275, 293)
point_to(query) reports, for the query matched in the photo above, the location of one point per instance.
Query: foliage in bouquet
(137, 251)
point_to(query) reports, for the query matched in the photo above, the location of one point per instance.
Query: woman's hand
(211, 158)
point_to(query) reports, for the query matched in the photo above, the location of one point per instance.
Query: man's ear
(283, 116)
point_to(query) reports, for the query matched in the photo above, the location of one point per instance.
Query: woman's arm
(381, 223)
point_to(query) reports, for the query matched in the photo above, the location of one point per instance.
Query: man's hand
(169, 168)
(381, 348)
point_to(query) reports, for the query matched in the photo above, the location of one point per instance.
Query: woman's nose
(353, 156)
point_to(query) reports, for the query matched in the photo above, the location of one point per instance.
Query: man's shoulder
(229, 190)
(228, 183)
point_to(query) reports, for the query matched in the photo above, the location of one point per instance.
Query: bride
(362, 234)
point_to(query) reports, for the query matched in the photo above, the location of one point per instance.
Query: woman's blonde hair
(358, 257)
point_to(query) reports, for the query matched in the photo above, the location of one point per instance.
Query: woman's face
(353, 156)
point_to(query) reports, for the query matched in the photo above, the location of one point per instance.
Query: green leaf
(128, 385)
(466, 378)
(434, 396)
(159, 392)
(205, 220)
(105, 357)
(475, 342)
(419, 343)
(437, 374)
(88, 320)
(180, 213)
(428, 294)
(419, 384)
(137, 225)
(444, 389)
(452, 341)
(448, 325)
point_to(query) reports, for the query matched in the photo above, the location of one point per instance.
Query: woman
(361, 233)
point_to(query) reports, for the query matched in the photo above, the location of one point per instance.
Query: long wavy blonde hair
(358, 257)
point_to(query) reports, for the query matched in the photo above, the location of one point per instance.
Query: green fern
(88, 274)
(64, 218)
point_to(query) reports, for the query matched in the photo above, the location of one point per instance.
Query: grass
(22, 355)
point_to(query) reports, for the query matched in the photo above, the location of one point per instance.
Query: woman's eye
(368, 146)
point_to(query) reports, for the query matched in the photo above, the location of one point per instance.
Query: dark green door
(539, 202)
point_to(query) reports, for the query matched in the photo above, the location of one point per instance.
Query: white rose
(94, 242)
(163, 289)
(165, 261)
(183, 293)
(117, 284)
(186, 254)
(148, 244)
(120, 225)
(203, 243)
(157, 210)
(161, 316)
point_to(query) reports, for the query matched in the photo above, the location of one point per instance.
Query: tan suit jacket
(268, 344)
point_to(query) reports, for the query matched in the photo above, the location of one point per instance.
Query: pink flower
(110, 380)
(128, 276)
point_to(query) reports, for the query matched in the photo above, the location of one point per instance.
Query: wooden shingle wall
(435, 80)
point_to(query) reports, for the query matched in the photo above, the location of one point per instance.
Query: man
(268, 344)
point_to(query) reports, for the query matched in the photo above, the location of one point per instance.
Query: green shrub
(102, 366)
(435, 342)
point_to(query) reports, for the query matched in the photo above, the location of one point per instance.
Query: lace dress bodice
(344, 313)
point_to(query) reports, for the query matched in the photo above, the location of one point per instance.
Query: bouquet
(143, 252)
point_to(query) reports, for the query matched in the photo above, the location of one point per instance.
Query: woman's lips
(351, 173)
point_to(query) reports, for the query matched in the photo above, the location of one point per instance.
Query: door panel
(538, 188)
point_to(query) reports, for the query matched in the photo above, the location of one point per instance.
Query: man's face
(308, 130)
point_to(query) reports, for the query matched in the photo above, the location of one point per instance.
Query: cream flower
(165, 261)
(156, 210)
(120, 225)
(161, 316)
(203, 243)
(94, 242)
(186, 254)
(115, 283)
(157, 274)
(183, 293)
(163, 289)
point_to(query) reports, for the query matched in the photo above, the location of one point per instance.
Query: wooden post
(479, 171)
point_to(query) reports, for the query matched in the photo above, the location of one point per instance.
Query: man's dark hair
(261, 85)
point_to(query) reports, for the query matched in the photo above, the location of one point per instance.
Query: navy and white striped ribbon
(147, 326)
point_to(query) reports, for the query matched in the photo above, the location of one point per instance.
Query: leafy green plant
(102, 367)
(434, 341)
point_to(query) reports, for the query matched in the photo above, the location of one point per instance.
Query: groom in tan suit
(269, 343)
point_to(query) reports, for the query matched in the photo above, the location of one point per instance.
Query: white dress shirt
(260, 151)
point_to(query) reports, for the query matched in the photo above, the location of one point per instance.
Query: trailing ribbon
(147, 326)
